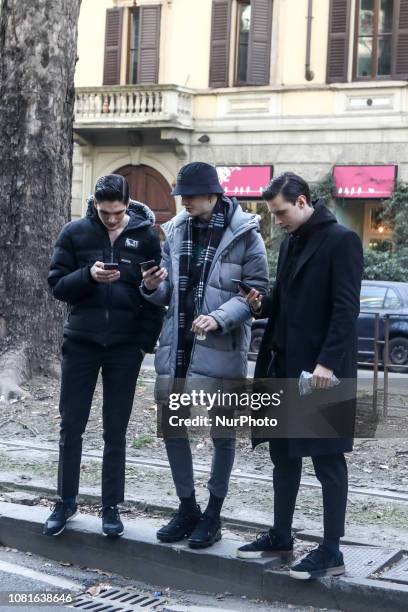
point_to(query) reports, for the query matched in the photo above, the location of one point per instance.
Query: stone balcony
(133, 107)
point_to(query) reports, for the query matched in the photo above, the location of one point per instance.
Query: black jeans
(81, 363)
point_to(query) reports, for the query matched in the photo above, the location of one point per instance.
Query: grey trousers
(181, 461)
(181, 464)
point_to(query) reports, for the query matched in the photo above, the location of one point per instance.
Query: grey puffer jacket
(240, 255)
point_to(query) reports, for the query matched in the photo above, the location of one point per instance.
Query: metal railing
(381, 359)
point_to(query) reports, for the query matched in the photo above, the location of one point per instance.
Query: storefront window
(377, 222)
(261, 209)
(378, 233)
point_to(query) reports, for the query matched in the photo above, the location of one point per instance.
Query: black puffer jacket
(113, 313)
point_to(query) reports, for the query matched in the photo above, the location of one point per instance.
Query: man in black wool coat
(312, 325)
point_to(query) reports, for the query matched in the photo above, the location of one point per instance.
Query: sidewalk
(366, 587)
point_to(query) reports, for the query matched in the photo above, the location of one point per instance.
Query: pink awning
(364, 181)
(244, 181)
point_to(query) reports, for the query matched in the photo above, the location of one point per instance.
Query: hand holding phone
(244, 287)
(252, 296)
(254, 299)
(112, 265)
(101, 274)
(147, 265)
(154, 276)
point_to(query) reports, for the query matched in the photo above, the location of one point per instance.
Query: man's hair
(112, 188)
(290, 185)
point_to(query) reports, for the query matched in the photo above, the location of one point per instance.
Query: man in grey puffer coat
(207, 329)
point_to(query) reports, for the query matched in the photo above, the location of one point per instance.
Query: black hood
(140, 215)
(322, 216)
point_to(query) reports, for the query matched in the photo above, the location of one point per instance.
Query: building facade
(254, 86)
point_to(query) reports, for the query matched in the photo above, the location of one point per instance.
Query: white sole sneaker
(113, 535)
(286, 555)
(331, 571)
(63, 528)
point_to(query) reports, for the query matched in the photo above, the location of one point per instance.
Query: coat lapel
(282, 258)
(314, 243)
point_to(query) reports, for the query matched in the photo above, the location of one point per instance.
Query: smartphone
(111, 265)
(146, 265)
(243, 286)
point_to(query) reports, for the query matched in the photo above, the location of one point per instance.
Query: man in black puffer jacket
(109, 327)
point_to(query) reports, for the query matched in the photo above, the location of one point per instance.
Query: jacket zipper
(111, 259)
(107, 312)
(109, 289)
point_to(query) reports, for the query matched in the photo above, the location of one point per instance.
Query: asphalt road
(19, 584)
(21, 573)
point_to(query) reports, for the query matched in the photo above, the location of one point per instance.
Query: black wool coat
(322, 307)
(101, 313)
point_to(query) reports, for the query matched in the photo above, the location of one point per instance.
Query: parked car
(382, 297)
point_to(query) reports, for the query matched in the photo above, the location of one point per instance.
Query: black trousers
(330, 470)
(81, 363)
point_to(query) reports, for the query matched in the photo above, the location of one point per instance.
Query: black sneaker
(266, 544)
(112, 526)
(61, 514)
(206, 533)
(319, 562)
(181, 526)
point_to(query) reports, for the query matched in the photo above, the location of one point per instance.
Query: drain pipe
(309, 74)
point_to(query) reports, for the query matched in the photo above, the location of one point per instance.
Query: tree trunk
(37, 63)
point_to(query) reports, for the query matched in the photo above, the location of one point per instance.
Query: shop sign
(364, 182)
(244, 181)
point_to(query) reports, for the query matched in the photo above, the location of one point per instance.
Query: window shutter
(113, 46)
(149, 44)
(338, 47)
(401, 42)
(260, 43)
(220, 43)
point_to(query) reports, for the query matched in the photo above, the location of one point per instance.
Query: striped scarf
(196, 276)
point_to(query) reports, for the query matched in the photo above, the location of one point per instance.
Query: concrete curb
(138, 555)
(165, 510)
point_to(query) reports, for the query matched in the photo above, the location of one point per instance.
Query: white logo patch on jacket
(132, 244)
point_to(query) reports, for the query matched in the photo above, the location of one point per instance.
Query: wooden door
(150, 187)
